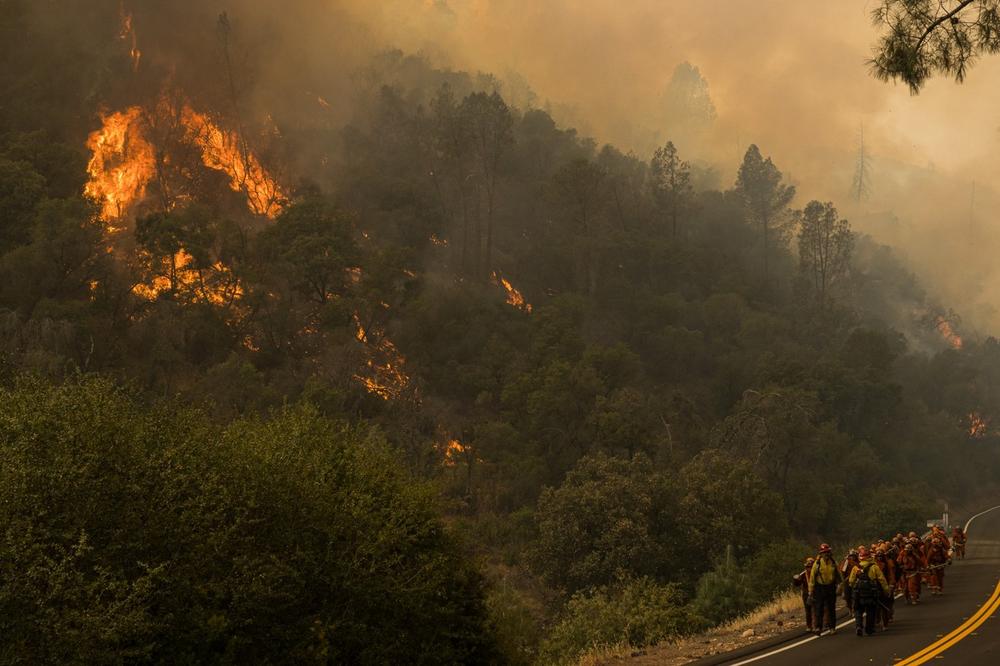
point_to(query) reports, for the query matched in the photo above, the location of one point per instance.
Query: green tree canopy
(145, 534)
(920, 38)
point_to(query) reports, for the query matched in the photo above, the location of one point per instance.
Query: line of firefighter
(870, 577)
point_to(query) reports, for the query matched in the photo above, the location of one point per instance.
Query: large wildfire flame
(123, 162)
(514, 297)
(947, 332)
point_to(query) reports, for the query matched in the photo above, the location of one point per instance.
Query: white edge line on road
(969, 521)
(849, 620)
(846, 622)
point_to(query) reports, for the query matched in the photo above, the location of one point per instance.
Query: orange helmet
(825, 548)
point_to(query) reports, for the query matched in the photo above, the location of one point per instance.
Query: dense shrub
(136, 534)
(635, 613)
(610, 518)
(724, 592)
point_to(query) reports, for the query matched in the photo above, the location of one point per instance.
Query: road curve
(960, 627)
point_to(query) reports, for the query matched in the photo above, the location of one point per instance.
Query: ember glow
(944, 327)
(977, 425)
(127, 34)
(122, 163)
(514, 297)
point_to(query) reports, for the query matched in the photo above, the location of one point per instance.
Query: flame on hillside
(514, 297)
(454, 450)
(978, 425)
(122, 163)
(178, 275)
(228, 152)
(386, 376)
(947, 332)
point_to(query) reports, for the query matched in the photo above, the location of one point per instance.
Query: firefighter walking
(869, 586)
(801, 580)
(824, 578)
(937, 560)
(911, 571)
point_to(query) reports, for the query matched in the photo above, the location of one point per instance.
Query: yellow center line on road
(957, 634)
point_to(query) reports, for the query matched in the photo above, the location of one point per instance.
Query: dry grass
(776, 616)
(783, 604)
(602, 655)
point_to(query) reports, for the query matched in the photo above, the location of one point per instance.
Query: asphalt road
(971, 597)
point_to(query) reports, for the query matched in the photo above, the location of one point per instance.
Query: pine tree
(765, 199)
(670, 181)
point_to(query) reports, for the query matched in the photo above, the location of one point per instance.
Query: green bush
(895, 509)
(636, 613)
(724, 592)
(517, 621)
(611, 518)
(137, 534)
(771, 569)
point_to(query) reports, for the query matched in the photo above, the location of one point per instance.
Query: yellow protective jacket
(824, 572)
(873, 572)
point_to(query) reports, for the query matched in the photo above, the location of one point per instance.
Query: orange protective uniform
(937, 559)
(910, 565)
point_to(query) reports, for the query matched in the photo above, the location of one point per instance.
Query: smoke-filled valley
(468, 331)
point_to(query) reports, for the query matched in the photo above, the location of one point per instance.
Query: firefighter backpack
(865, 589)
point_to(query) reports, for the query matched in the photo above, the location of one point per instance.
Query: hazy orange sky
(782, 73)
(789, 75)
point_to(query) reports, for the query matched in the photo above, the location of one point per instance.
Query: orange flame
(453, 451)
(228, 152)
(977, 425)
(122, 163)
(948, 333)
(514, 297)
(386, 376)
(176, 274)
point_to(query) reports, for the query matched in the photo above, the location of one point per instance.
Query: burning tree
(122, 163)
(514, 297)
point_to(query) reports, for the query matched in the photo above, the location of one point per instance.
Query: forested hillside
(416, 374)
